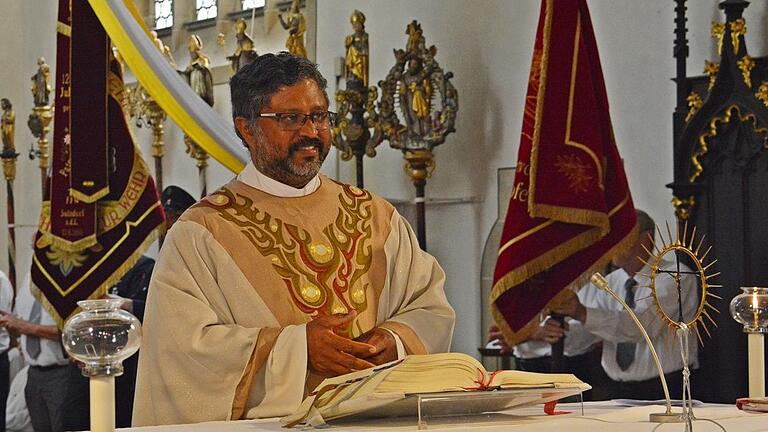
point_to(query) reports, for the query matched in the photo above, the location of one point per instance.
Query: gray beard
(286, 171)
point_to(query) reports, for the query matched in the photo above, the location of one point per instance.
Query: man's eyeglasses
(322, 120)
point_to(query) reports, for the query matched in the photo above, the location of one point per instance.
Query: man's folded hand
(329, 354)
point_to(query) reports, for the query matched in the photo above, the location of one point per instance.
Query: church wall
(487, 44)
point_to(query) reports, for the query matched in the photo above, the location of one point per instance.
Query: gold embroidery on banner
(694, 103)
(569, 118)
(128, 227)
(712, 132)
(745, 66)
(711, 69)
(323, 275)
(64, 29)
(542, 84)
(66, 260)
(576, 171)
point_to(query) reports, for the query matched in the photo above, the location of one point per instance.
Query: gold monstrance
(679, 246)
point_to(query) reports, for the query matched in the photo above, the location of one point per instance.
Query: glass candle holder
(101, 336)
(750, 308)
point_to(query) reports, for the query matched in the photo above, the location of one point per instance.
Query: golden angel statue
(296, 25)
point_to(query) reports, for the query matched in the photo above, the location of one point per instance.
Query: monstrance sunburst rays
(688, 246)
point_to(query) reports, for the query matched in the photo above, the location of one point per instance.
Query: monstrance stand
(674, 317)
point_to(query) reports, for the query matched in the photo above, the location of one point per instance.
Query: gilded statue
(198, 73)
(422, 91)
(417, 95)
(244, 52)
(296, 25)
(7, 126)
(357, 50)
(163, 48)
(41, 90)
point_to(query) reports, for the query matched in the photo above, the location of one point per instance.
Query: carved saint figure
(40, 88)
(7, 125)
(296, 26)
(244, 52)
(163, 48)
(357, 50)
(416, 93)
(198, 73)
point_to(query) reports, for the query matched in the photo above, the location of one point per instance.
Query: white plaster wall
(27, 31)
(487, 44)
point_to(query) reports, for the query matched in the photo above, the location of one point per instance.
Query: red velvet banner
(89, 132)
(128, 218)
(72, 222)
(571, 209)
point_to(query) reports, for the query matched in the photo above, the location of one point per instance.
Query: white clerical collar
(256, 179)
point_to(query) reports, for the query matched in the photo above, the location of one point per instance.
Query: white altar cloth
(598, 416)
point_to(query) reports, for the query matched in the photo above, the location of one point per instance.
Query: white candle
(756, 366)
(103, 403)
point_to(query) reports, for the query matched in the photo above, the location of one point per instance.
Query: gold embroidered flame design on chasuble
(324, 272)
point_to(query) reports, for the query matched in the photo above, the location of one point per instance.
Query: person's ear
(244, 128)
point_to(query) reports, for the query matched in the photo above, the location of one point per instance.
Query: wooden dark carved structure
(721, 184)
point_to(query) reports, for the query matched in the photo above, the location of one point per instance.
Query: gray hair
(645, 223)
(252, 86)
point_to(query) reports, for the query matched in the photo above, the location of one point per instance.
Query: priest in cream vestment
(283, 276)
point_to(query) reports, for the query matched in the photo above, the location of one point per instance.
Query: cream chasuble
(243, 271)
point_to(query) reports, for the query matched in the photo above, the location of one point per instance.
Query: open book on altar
(364, 390)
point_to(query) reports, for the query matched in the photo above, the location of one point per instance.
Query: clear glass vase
(750, 308)
(101, 336)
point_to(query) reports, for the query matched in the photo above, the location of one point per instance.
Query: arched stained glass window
(163, 14)
(206, 9)
(250, 4)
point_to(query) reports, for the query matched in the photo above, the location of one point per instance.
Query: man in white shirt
(581, 349)
(41, 344)
(626, 357)
(6, 299)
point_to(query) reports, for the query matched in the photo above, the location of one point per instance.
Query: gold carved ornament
(762, 93)
(711, 69)
(318, 272)
(718, 32)
(692, 250)
(738, 29)
(712, 132)
(694, 103)
(746, 64)
(683, 206)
